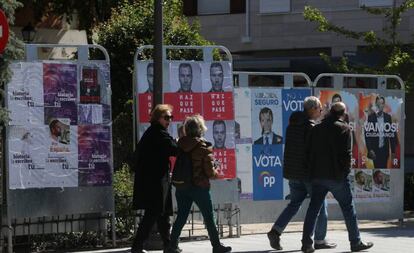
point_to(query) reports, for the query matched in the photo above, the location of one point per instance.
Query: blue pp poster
(267, 172)
(292, 100)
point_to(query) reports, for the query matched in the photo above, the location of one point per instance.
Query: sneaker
(307, 249)
(221, 249)
(325, 245)
(361, 246)
(274, 239)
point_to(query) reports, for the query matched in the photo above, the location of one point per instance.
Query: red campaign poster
(144, 106)
(218, 105)
(185, 104)
(227, 162)
(89, 86)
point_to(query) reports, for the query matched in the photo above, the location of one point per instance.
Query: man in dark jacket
(152, 190)
(329, 159)
(295, 169)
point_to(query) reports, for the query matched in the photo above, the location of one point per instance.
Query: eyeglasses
(168, 117)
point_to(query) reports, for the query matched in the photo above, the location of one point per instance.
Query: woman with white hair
(201, 154)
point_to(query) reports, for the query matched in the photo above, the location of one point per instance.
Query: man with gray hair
(329, 161)
(296, 171)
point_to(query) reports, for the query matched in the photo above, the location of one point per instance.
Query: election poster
(244, 169)
(41, 157)
(243, 121)
(327, 98)
(363, 185)
(90, 114)
(27, 156)
(101, 87)
(267, 172)
(145, 77)
(103, 81)
(144, 89)
(62, 158)
(90, 87)
(221, 134)
(380, 118)
(94, 154)
(60, 91)
(185, 77)
(216, 77)
(25, 94)
(292, 100)
(266, 116)
(267, 139)
(184, 92)
(144, 106)
(381, 184)
(184, 104)
(218, 105)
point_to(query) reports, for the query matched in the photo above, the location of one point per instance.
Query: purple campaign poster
(94, 150)
(60, 92)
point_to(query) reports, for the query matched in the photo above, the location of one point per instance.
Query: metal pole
(158, 39)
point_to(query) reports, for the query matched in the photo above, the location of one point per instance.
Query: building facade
(272, 35)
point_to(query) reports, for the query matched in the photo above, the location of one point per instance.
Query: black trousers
(147, 223)
(381, 159)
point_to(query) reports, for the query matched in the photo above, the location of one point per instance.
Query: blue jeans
(298, 192)
(341, 191)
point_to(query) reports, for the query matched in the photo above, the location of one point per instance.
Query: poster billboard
(267, 137)
(68, 132)
(25, 94)
(380, 118)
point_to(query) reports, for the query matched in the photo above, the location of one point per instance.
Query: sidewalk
(387, 237)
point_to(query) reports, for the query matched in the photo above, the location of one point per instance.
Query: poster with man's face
(381, 184)
(185, 77)
(329, 97)
(380, 118)
(216, 76)
(266, 116)
(363, 185)
(221, 134)
(145, 77)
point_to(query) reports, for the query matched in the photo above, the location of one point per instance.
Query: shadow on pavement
(267, 251)
(390, 232)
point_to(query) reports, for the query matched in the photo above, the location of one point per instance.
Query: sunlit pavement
(389, 240)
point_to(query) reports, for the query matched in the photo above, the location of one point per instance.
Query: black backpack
(182, 176)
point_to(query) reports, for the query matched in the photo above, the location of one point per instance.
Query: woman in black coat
(152, 190)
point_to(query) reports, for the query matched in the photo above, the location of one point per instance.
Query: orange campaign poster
(379, 119)
(327, 97)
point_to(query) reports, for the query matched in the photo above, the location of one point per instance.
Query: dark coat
(152, 189)
(202, 158)
(294, 160)
(389, 140)
(329, 149)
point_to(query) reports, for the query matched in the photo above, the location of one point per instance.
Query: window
(376, 3)
(205, 7)
(274, 6)
(211, 7)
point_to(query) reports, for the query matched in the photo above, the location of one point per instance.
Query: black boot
(221, 249)
(274, 239)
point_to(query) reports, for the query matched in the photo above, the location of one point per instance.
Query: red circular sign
(4, 31)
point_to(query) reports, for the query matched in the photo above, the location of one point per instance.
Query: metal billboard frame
(26, 196)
